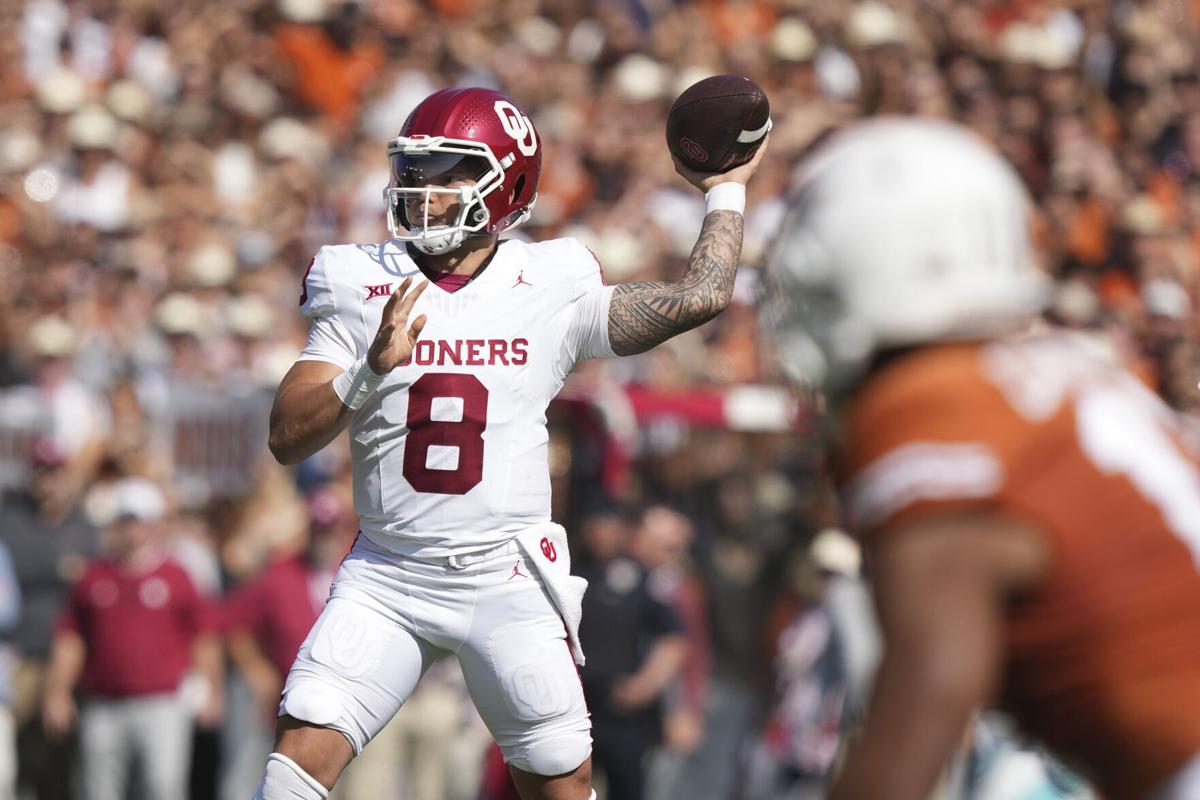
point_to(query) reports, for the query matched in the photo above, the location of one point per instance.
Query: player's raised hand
(707, 180)
(396, 338)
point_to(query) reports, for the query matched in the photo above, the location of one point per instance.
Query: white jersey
(450, 454)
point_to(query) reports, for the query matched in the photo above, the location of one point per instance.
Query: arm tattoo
(646, 314)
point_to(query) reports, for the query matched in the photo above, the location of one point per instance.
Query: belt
(460, 562)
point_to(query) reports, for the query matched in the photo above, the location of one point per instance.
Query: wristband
(729, 196)
(356, 384)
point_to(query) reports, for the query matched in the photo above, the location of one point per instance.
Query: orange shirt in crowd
(1088, 234)
(326, 77)
(736, 21)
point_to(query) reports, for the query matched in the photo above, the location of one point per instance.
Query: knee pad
(312, 702)
(309, 701)
(553, 754)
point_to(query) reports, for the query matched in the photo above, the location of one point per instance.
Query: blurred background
(167, 170)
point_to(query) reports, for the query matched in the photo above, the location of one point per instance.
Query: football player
(440, 350)
(1030, 511)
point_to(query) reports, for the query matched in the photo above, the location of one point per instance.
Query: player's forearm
(304, 419)
(645, 314)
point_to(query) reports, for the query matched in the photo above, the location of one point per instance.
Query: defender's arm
(941, 586)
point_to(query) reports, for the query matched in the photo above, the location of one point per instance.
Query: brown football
(718, 123)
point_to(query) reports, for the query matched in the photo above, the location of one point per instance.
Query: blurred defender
(443, 385)
(1031, 511)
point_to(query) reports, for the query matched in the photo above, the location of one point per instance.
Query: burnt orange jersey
(1103, 658)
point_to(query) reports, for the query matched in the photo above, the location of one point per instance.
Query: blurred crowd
(168, 169)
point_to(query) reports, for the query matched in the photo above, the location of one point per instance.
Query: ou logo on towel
(518, 126)
(548, 550)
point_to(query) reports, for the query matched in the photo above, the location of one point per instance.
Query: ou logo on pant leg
(535, 692)
(548, 550)
(518, 126)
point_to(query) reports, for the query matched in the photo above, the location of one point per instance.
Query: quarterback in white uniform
(439, 350)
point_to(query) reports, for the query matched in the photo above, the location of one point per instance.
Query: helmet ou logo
(518, 126)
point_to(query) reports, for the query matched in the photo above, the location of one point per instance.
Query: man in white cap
(132, 629)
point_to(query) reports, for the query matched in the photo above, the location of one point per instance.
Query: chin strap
(441, 244)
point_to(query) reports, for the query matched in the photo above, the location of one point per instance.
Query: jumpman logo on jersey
(517, 572)
(521, 281)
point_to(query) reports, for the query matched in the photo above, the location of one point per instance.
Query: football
(718, 123)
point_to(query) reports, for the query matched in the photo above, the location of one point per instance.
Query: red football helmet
(473, 144)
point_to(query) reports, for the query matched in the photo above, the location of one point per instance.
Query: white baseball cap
(833, 550)
(138, 498)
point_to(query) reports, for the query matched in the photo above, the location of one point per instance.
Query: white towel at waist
(545, 548)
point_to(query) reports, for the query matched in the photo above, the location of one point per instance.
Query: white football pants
(390, 616)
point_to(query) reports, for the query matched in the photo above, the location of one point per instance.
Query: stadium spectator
(50, 541)
(130, 632)
(661, 543)
(810, 658)
(266, 619)
(637, 649)
(743, 571)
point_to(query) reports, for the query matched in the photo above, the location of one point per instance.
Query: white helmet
(898, 232)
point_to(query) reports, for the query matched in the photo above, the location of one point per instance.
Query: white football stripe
(754, 136)
(924, 471)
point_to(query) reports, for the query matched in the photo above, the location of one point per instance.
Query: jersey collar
(452, 283)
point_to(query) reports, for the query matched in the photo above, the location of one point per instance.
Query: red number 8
(465, 434)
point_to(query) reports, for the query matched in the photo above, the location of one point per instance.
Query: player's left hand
(707, 180)
(395, 339)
